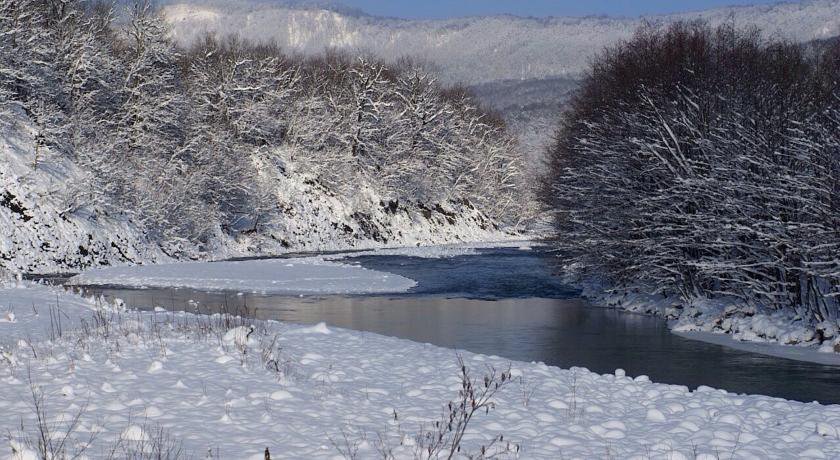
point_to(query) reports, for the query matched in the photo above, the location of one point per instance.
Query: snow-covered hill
(530, 108)
(479, 49)
(41, 231)
(36, 231)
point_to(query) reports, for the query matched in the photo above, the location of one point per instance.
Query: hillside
(118, 146)
(480, 49)
(530, 109)
(42, 233)
(39, 233)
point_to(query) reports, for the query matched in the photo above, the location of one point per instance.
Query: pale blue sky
(538, 8)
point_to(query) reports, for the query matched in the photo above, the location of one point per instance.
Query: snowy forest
(705, 162)
(238, 229)
(189, 143)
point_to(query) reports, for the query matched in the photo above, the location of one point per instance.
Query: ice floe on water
(269, 276)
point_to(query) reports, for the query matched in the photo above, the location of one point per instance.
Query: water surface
(506, 302)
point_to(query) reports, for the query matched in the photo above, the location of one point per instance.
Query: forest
(189, 142)
(704, 162)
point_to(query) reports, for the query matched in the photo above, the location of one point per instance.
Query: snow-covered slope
(530, 108)
(35, 190)
(480, 49)
(41, 231)
(315, 218)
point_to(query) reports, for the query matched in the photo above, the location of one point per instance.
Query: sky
(428, 9)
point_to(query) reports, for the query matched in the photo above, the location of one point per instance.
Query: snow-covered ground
(36, 312)
(218, 387)
(272, 276)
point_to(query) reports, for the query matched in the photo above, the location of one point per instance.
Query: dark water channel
(506, 302)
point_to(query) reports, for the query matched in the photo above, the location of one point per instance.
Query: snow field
(37, 312)
(225, 387)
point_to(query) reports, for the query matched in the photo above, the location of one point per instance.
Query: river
(508, 302)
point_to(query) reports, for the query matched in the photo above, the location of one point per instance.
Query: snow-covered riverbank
(725, 322)
(229, 388)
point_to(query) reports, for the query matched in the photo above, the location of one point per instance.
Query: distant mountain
(472, 50)
(530, 108)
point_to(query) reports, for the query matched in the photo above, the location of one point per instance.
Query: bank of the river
(503, 301)
(221, 387)
(804, 354)
(718, 321)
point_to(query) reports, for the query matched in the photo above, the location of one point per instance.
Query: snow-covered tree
(703, 162)
(194, 144)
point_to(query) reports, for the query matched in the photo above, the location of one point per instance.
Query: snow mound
(134, 433)
(320, 328)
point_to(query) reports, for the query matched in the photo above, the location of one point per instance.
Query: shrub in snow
(476, 396)
(705, 162)
(21, 452)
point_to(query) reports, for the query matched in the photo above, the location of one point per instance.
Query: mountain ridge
(476, 49)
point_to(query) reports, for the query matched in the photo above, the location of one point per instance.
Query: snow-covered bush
(706, 162)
